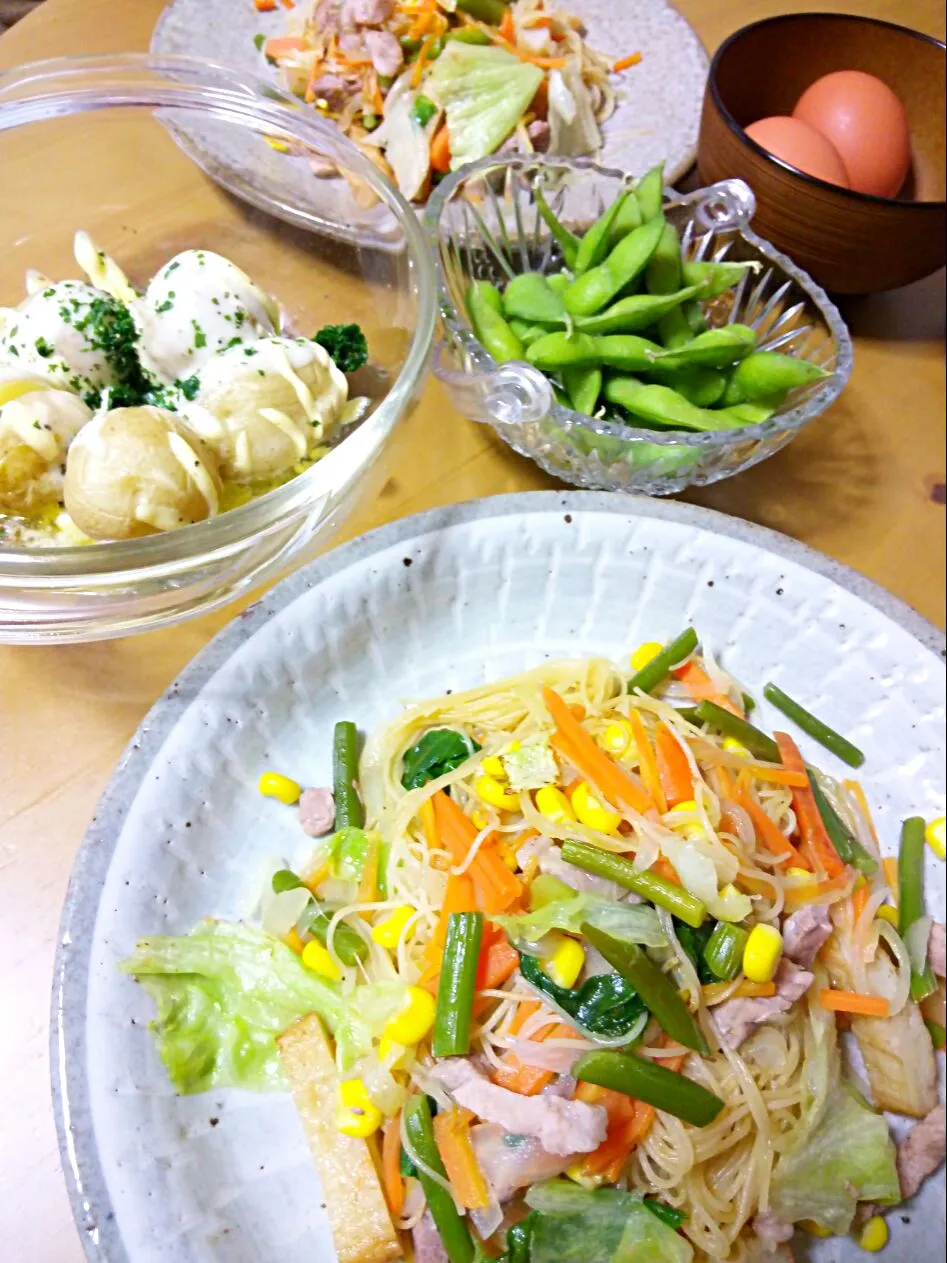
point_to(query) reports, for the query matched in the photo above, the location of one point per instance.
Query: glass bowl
(483, 223)
(103, 144)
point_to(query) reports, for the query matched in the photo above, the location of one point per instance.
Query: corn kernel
(814, 1229)
(357, 1115)
(388, 933)
(390, 1052)
(645, 653)
(761, 955)
(874, 1235)
(590, 811)
(415, 1019)
(480, 818)
(275, 785)
(492, 765)
(553, 804)
(493, 792)
(736, 747)
(802, 873)
(936, 835)
(889, 914)
(317, 958)
(617, 738)
(565, 963)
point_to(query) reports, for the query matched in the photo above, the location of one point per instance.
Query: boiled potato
(36, 428)
(135, 471)
(264, 407)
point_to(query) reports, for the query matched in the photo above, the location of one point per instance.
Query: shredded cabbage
(627, 922)
(484, 92)
(606, 1225)
(573, 128)
(531, 766)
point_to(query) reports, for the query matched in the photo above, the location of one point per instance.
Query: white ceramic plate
(444, 600)
(658, 115)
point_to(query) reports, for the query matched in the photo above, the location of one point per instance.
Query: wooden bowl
(851, 243)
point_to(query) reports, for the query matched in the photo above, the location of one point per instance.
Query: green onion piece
(662, 893)
(850, 850)
(655, 988)
(724, 951)
(284, 879)
(650, 1082)
(423, 110)
(347, 943)
(758, 744)
(455, 991)
(451, 1227)
(659, 668)
(911, 897)
(826, 736)
(349, 812)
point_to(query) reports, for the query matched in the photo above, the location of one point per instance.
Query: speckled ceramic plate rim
(91, 1205)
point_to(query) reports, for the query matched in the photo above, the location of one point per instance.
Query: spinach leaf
(693, 942)
(605, 1005)
(438, 751)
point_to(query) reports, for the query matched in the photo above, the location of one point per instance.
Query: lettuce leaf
(627, 922)
(576, 1225)
(847, 1157)
(225, 991)
(484, 91)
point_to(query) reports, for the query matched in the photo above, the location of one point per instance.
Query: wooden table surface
(865, 485)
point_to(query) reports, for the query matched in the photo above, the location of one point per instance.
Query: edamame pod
(635, 312)
(714, 349)
(626, 221)
(649, 193)
(663, 273)
(484, 306)
(596, 242)
(715, 278)
(664, 408)
(768, 374)
(583, 386)
(526, 332)
(567, 241)
(580, 350)
(591, 292)
(703, 387)
(559, 282)
(530, 297)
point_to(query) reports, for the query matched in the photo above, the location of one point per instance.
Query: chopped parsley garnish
(189, 387)
(109, 327)
(165, 306)
(44, 348)
(200, 337)
(346, 344)
(171, 266)
(258, 42)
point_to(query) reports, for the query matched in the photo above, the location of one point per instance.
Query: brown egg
(866, 123)
(801, 146)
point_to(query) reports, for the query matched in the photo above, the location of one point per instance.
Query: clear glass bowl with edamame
(623, 336)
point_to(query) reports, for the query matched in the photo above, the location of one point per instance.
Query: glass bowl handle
(512, 394)
(726, 205)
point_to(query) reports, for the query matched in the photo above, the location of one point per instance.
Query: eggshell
(866, 123)
(801, 146)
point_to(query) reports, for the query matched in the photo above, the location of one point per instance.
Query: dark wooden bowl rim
(802, 175)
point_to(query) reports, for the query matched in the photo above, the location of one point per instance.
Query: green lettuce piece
(848, 1156)
(627, 922)
(225, 991)
(484, 92)
(348, 851)
(577, 1225)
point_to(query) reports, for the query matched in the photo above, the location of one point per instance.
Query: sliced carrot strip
(648, 765)
(815, 840)
(702, 688)
(626, 63)
(715, 992)
(860, 899)
(279, 47)
(778, 776)
(392, 1181)
(594, 764)
(440, 150)
(674, 770)
(498, 961)
(854, 1002)
(496, 886)
(769, 834)
(452, 1137)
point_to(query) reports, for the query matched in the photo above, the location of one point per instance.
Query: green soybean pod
(663, 273)
(715, 278)
(627, 220)
(559, 282)
(765, 374)
(491, 329)
(703, 387)
(715, 349)
(638, 311)
(530, 297)
(568, 242)
(526, 332)
(592, 291)
(666, 409)
(649, 193)
(596, 240)
(583, 386)
(558, 351)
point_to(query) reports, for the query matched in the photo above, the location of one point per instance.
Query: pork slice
(510, 1162)
(350, 43)
(551, 862)
(936, 949)
(560, 1126)
(365, 12)
(316, 812)
(386, 53)
(922, 1152)
(454, 1072)
(736, 1018)
(772, 1230)
(335, 90)
(428, 1247)
(805, 932)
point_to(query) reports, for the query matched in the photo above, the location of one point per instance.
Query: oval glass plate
(657, 116)
(443, 600)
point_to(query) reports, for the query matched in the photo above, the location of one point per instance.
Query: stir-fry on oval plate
(423, 86)
(519, 873)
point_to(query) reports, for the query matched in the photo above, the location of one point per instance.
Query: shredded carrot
(540, 102)
(854, 1002)
(541, 21)
(293, 941)
(392, 1181)
(647, 763)
(315, 879)
(816, 843)
(594, 764)
(815, 890)
(264, 6)
(440, 150)
(498, 961)
(452, 1137)
(673, 768)
(702, 688)
(626, 63)
(495, 886)
(716, 992)
(507, 28)
(778, 776)
(418, 71)
(288, 4)
(727, 783)
(860, 899)
(662, 867)
(279, 47)
(621, 1113)
(525, 1079)
(767, 831)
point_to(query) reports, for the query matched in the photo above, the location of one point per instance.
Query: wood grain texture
(864, 484)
